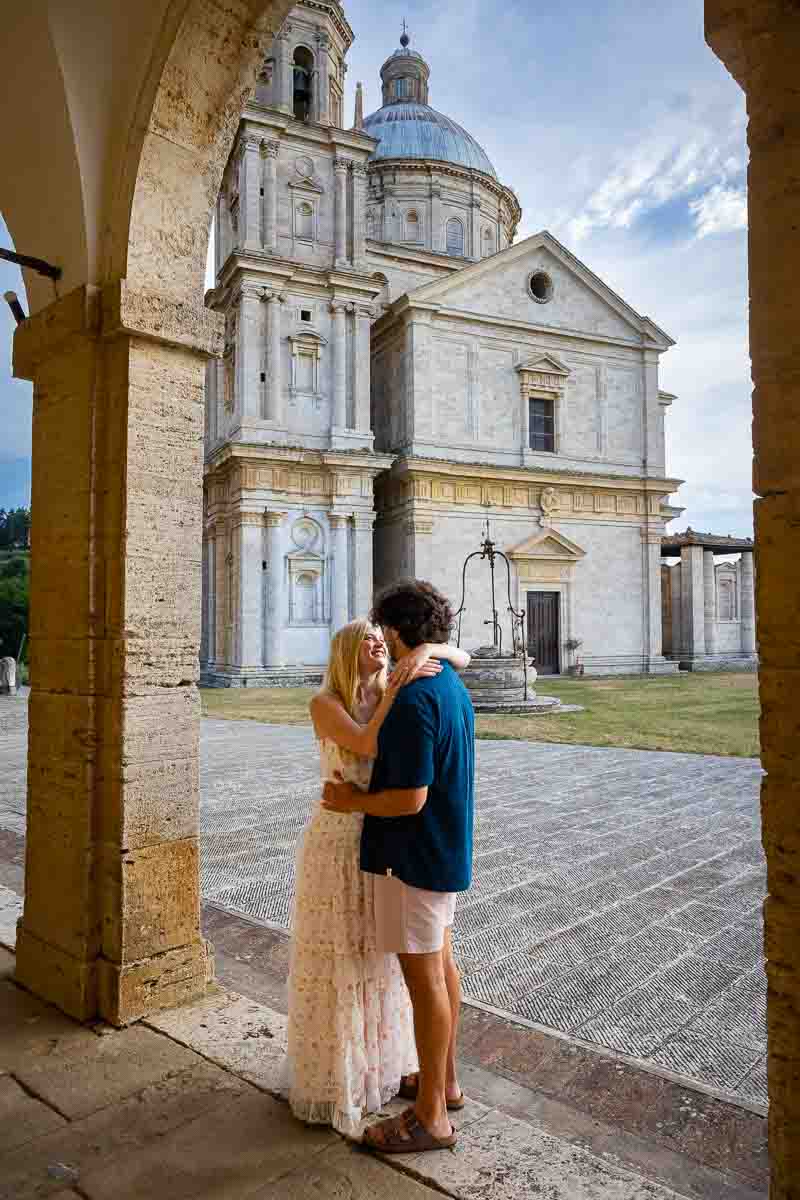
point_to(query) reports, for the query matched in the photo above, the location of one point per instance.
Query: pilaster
(340, 606)
(341, 168)
(359, 214)
(249, 541)
(250, 193)
(693, 641)
(274, 585)
(274, 402)
(249, 337)
(270, 151)
(362, 318)
(748, 613)
(709, 602)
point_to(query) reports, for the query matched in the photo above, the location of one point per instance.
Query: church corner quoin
(394, 366)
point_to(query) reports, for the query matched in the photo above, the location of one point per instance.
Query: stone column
(222, 598)
(341, 167)
(249, 354)
(747, 614)
(419, 531)
(111, 924)
(677, 627)
(284, 89)
(250, 193)
(270, 151)
(274, 402)
(476, 228)
(209, 612)
(359, 213)
(693, 641)
(436, 220)
(655, 632)
(340, 606)
(361, 369)
(709, 602)
(339, 421)
(525, 419)
(275, 607)
(249, 536)
(323, 88)
(365, 573)
(760, 45)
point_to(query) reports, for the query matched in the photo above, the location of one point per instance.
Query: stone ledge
(56, 330)
(157, 318)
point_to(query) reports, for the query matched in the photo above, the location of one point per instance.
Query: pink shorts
(410, 920)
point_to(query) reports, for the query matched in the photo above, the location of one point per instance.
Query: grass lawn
(696, 714)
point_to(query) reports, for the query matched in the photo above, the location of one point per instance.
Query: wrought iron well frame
(489, 551)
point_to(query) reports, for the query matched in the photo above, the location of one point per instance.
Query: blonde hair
(342, 675)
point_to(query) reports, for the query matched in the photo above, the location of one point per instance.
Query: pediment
(549, 544)
(545, 364)
(581, 302)
(307, 185)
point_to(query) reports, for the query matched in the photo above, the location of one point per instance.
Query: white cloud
(721, 210)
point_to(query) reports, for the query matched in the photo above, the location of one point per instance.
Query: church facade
(397, 370)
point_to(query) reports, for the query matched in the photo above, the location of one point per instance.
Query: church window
(303, 73)
(542, 424)
(541, 287)
(402, 89)
(304, 220)
(305, 314)
(727, 600)
(412, 226)
(455, 237)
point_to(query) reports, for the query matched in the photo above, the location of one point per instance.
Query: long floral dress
(351, 1035)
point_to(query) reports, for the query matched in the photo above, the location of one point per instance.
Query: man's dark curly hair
(416, 610)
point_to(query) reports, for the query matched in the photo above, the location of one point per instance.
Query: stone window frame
(419, 236)
(727, 577)
(448, 223)
(308, 560)
(306, 343)
(540, 271)
(298, 203)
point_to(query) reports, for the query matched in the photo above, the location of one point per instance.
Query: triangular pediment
(499, 286)
(549, 364)
(548, 543)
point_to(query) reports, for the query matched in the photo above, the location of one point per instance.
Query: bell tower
(298, 296)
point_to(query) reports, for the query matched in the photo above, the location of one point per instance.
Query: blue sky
(623, 136)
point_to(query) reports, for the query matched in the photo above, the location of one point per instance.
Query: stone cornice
(297, 456)
(430, 166)
(406, 307)
(283, 273)
(661, 485)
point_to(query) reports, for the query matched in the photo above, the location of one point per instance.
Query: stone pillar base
(719, 662)
(47, 971)
(350, 439)
(119, 995)
(260, 677)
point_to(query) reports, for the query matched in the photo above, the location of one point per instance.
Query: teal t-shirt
(427, 740)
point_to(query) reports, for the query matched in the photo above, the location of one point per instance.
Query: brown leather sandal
(405, 1135)
(408, 1091)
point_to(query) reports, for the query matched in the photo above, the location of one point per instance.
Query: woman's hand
(417, 664)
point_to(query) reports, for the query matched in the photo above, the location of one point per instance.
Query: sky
(623, 136)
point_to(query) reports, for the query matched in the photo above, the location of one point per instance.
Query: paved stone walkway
(617, 894)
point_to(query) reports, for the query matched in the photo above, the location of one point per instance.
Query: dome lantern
(405, 75)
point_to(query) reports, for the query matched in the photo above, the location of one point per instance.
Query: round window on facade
(540, 286)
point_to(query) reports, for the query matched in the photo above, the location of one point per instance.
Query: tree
(13, 613)
(15, 526)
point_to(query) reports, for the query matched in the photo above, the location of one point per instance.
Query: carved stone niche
(306, 572)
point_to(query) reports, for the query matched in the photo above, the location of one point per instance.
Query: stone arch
(126, 329)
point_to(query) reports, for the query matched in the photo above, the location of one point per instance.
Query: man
(417, 843)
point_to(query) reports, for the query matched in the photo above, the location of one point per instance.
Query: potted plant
(573, 645)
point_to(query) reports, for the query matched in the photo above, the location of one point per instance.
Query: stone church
(397, 370)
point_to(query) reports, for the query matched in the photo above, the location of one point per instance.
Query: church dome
(407, 129)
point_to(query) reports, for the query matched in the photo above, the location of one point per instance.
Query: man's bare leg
(452, 979)
(453, 982)
(427, 985)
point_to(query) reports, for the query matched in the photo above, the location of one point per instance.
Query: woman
(351, 1037)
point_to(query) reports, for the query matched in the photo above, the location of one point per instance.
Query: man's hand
(341, 798)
